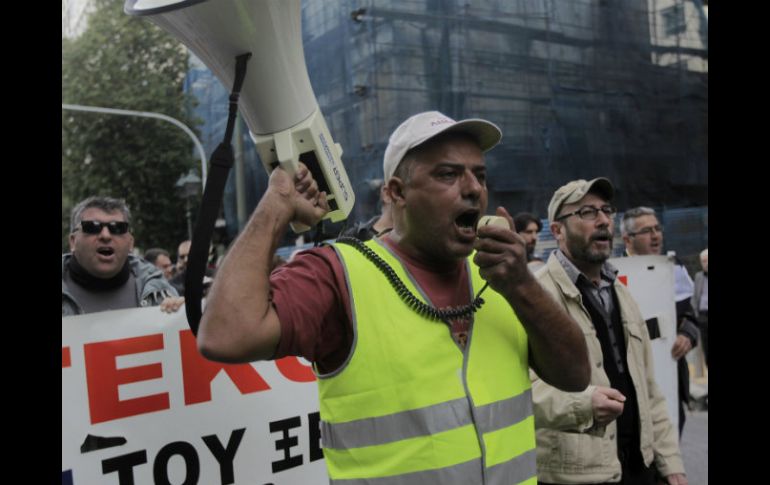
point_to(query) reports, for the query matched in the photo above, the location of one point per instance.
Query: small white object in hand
(493, 221)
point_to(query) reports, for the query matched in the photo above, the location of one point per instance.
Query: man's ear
(395, 189)
(627, 241)
(72, 242)
(557, 229)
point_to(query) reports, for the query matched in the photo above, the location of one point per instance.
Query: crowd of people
(454, 351)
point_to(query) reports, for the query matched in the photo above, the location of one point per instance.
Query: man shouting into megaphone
(422, 370)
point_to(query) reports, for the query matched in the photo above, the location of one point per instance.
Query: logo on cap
(441, 121)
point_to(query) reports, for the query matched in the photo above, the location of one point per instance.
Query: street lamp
(189, 186)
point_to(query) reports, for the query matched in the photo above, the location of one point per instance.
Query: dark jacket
(151, 287)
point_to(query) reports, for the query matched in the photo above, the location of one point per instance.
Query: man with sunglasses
(617, 430)
(99, 273)
(643, 235)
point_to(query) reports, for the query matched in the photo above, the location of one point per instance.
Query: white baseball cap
(422, 127)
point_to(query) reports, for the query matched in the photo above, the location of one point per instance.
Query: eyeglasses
(95, 227)
(589, 213)
(647, 230)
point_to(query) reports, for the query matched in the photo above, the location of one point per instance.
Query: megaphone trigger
(285, 153)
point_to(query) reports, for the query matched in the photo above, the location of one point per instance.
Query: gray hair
(107, 204)
(629, 217)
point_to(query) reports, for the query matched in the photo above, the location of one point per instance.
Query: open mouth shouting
(602, 239)
(466, 224)
(105, 253)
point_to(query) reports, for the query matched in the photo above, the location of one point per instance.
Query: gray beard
(579, 250)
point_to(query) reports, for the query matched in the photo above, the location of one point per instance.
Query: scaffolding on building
(580, 88)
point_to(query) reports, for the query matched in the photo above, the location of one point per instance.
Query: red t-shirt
(311, 298)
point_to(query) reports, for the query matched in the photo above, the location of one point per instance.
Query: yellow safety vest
(409, 407)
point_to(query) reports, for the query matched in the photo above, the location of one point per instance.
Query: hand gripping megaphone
(277, 101)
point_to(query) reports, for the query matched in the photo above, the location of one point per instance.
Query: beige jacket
(570, 448)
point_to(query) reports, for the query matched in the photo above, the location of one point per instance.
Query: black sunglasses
(95, 227)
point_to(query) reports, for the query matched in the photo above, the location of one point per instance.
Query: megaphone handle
(289, 161)
(284, 152)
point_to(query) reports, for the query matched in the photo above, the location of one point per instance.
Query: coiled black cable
(409, 298)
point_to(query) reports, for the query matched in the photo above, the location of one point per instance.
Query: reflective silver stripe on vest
(463, 474)
(501, 414)
(395, 427)
(515, 470)
(425, 421)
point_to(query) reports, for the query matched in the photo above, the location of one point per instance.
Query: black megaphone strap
(221, 162)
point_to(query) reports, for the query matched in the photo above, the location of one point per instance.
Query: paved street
(695, 447)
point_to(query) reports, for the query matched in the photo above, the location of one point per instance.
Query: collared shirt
(601, 294)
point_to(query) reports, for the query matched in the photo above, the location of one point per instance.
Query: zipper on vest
(474, 419)
(464, 374)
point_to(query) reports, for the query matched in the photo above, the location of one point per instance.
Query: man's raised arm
(239, 324)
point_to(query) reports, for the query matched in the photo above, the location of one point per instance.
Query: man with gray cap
(617, 430)
(422, 370)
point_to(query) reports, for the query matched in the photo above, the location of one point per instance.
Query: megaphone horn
(276, 100)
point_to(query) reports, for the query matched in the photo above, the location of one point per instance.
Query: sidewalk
(695, 447)
(695, 437)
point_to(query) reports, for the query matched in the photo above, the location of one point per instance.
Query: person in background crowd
(162, 260)
(180, 270)
(375, 226)
(643, 235)
(529, 226)
(183, 253)
(700, 301)
(99, 273)
(618, 429)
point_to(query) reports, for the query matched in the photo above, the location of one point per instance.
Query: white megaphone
(277, 100)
